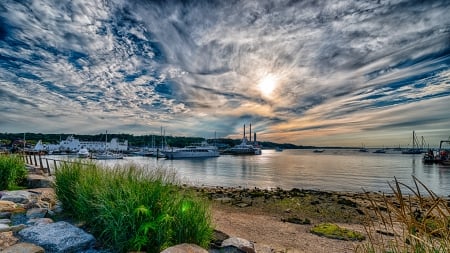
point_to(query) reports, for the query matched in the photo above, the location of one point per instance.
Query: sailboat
(415, 148)
(108, 155)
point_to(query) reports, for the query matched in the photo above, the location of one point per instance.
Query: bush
(13, 172)
(130, 208)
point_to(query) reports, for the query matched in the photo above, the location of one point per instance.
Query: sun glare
(267, 84)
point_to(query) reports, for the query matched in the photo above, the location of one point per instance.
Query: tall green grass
(416, 222)
(13, 172)
(132, 208)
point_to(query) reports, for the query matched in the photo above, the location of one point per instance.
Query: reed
(409, 222)
(132, 208)
(13, 172)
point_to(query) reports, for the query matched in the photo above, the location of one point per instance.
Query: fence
(46, 165)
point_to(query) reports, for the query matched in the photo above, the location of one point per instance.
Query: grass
(409, 223)
(133, 209)
(13, 172)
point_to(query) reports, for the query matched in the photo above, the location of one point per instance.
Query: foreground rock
(58, 237)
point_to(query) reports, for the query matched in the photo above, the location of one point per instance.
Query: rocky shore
(273, 220)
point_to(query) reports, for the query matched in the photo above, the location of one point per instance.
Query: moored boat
(83, 153)
(108, 156)
(202, 150)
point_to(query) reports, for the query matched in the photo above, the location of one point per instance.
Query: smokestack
(244, 131)
(254, 137)
(250, 134)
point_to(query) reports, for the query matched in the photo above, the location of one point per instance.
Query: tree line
(7, 139)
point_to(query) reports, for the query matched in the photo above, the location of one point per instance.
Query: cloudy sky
(306, 72)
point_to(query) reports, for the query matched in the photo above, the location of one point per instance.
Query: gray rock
(22, 197)
(242, 244)
(5, 215)
(23, 248)
(36, 213)
(4, 228)
(5, 221)
(39, 181)
(185, 248)
(58, 237)
(18, 227)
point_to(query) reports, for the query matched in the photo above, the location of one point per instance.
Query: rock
(4, 228)
(7, 206)
(217, 239)
(5, 215)
(58, 237)
(7, 239)
(17, 228)
(22, 197)
(24, 248)
(39, 181)
(185, 248)
(5, 221)
(35, 213)
(39, 221)
(241, 244)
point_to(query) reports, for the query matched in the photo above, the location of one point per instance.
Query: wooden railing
(46, 165)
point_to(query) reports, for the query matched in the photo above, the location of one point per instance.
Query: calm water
(335, 170)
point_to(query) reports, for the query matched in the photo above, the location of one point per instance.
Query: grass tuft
(13, 172)
(132, 208)
(413, 223)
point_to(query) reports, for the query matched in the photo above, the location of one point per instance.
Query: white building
(74, 145)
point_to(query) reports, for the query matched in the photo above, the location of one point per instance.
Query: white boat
(244, 149)
(194, 151)
(83, 153)
(108, 156)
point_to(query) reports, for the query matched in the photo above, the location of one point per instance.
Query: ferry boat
(194, 151)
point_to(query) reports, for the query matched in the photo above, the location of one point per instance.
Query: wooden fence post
(35, 161)
(48, 167)
(54, 162)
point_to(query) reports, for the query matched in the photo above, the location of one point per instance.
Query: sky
(307, 72)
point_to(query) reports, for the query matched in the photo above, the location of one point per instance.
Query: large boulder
(58, 237)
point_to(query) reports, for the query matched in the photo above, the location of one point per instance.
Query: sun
(267, 85)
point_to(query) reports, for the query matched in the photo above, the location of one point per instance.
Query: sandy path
(269, 232)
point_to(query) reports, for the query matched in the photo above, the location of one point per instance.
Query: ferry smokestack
(244, 131)
(254, 137)
(250, 134)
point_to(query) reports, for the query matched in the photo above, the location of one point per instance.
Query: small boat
(318, 150)
(380, 151)
(83, 153)
(278, 149)
(108, 156)
(202, 150)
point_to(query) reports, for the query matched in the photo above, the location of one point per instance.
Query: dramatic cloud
(305, 72)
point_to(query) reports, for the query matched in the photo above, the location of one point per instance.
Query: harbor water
(331, 170)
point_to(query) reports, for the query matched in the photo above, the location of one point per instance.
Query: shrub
(131, 208)
(13, 172)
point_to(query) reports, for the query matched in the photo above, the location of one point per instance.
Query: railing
(45, 164)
